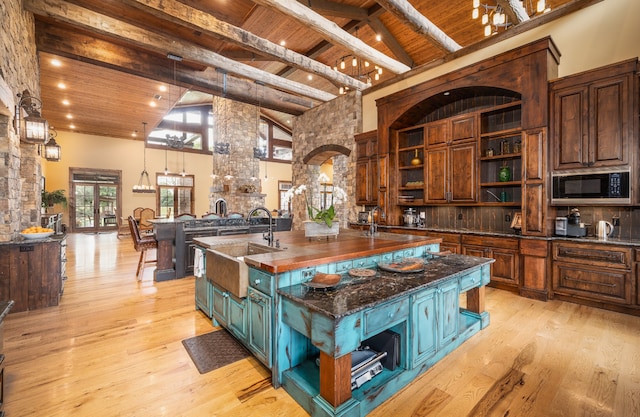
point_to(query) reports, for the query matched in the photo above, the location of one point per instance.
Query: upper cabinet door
(592, 118)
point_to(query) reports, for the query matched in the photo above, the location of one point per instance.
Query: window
(191, 126)
(274, 143)
(283, 187)
(175, 194)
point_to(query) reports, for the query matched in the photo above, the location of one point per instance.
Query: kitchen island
(306, 336)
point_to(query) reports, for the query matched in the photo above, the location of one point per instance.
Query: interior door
(95, 205)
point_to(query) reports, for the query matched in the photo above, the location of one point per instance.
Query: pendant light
(144, 183)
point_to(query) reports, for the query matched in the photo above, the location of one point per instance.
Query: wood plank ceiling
(114, 55)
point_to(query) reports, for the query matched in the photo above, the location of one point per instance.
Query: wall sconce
(52, 150)
(31, 128)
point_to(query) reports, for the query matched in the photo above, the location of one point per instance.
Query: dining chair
(185, 216)
(136, 213)
(142, 244)
(144, 224)
(235, 215)
(210, 216)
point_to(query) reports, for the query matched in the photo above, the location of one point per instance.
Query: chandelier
(494, 16)
(357, 68)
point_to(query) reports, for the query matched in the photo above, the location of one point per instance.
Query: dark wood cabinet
(451, 174)
(367, 168)
(31, 273)
(593, 118)
(505, 271)
(593, 272)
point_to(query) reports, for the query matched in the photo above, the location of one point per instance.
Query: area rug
(214, 350)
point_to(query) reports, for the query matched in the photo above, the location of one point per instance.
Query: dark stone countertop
(586, 239)
(354, 294)
(5, 307)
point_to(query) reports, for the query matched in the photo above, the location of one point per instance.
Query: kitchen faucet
(373, 227)
(268, 236)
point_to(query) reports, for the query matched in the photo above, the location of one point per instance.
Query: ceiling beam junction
(334, 34)
(408, 14)
(75, 15)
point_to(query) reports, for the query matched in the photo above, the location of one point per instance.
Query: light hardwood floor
(113, 348)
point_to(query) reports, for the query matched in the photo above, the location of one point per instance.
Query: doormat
(214, 350)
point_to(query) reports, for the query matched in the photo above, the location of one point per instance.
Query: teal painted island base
(423, 310)
(306, 337)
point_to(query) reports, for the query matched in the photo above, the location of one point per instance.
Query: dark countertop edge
(589, 239)
(5, 307)
(432, 282)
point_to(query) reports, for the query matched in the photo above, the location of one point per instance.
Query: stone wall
(333, 123)
(20, 166)
(235, 123)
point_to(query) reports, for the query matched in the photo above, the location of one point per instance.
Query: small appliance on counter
(570, 225)
(410, 218)
(363, 217)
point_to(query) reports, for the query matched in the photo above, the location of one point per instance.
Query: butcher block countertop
(299, 251)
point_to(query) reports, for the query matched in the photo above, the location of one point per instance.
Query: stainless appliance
(363, 217)
(591, 187)
(570, 225)
(604, 229)
(410, 218)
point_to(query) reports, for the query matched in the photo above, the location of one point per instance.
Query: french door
(95, 200)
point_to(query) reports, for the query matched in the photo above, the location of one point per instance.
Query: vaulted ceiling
(112, 56)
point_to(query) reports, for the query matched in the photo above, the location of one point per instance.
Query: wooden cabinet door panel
(436, 133)
(462, 178)
(505, 268)
(608, 121)
(437, 172)
(363, 191)
(570, 126)
(463, 128)
(598, 284)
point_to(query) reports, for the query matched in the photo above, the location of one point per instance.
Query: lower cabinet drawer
(385, 316)
(598, 284)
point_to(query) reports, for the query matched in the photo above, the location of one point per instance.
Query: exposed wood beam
(334, 34)
(75, 15)
(515, 10)
(71, 43)
(391, 42)
(408, 14)
(195, 19)
(331, 8)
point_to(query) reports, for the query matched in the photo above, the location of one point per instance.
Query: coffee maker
(570, 225)
(410, 218)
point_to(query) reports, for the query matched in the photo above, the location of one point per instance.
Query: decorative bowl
(31, 236)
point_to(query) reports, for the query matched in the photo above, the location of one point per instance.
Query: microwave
(605, 187)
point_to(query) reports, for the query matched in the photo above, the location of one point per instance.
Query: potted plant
(49, 198)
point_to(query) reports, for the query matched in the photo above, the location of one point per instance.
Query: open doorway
(95, 200)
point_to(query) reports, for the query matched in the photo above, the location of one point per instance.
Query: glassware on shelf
(505, 147)
(504, 174)
(517, 147)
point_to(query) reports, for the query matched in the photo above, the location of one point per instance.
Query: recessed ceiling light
(310, 77)
(56, 63)
(65, 102)
(152, 103)
(162, 88)
(378, 37)
(72, 126)
(134, 134)
(69, 116)
(283, 43)
(61, 85)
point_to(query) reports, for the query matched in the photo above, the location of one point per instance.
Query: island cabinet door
(220, 306)
(237, 319)
(434, 322)
(423, 326)
(259, 337)
(204, 295)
